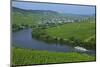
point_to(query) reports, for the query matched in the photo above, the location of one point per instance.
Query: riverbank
(28, 56)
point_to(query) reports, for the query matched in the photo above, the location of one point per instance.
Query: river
(23, 39)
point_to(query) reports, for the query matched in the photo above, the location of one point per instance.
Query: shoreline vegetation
(22, 56)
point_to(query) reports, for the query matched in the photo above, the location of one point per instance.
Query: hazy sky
(73, 9)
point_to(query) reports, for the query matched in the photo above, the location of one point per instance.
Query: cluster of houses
(59, 20)
(55, 20)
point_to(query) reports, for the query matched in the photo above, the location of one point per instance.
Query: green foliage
(17, 27)
(27, 56)
(91, 41)
(38, 32)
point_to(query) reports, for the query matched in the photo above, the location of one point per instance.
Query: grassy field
(81, 31)
(27, 56)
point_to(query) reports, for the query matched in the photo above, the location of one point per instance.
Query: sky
(62, 8)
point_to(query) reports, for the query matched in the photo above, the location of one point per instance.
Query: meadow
(22, 56)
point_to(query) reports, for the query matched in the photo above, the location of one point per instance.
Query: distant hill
(33, 11)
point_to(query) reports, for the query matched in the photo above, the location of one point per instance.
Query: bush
(91, 44)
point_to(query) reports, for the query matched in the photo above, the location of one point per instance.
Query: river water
(23, 39)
